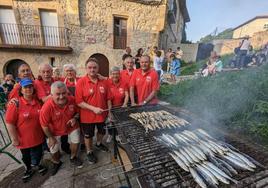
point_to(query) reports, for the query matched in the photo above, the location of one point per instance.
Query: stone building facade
(85, 28)
(254, 25)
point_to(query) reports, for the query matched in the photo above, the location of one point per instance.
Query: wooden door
(103, 64)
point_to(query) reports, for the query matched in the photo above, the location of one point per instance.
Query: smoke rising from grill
(221, 98)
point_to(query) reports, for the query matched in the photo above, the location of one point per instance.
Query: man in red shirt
(44, 80)
(43, 83)
(145, 81)
(93, 97)
(127, 73)
(24, 71)
(59, 116)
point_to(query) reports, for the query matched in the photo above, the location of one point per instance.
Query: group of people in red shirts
(44, 110)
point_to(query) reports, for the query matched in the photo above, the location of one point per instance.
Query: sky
(206, 15)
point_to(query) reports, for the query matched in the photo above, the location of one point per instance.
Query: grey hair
(71, 66)
(115, 69)
(42, 65)
(57, 85)
(129, 57)
(56, 68)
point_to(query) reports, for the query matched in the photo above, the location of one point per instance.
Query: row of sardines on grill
(161, 119)
(209, 161)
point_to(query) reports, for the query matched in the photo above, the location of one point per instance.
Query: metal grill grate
(157, 169)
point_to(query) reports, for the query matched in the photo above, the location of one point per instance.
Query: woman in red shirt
(23, 125)
(70, 77)
(119, 90)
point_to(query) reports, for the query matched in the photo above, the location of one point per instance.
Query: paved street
(68, 177)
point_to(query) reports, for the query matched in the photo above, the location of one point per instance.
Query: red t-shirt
(55, 117)
(25, 117)
(145, 84)
(68, 83)
(45, 86)
(39, 91)
(118, 92)
(95, 94)
(126, 76)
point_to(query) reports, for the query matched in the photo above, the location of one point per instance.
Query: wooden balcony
(33, 37)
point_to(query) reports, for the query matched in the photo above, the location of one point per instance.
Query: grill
(155, 168)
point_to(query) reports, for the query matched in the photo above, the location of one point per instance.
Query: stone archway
(11, 67)
(103, 64)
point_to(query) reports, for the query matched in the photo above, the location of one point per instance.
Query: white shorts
(73, 138)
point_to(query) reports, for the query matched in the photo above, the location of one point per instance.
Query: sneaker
(109, 139)
(102, 147)
(91, 158)
(76, 162)
(55, 168)
(27, 175)
(42, 170)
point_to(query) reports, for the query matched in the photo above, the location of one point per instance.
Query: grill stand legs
(117, 154)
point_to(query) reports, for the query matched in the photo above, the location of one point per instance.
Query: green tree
(226, 34)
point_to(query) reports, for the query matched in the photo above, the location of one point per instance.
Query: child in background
(174, 67)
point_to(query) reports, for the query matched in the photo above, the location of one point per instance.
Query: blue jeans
(241, 59)
(32, 156)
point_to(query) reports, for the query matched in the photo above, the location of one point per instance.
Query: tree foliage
(226, 34)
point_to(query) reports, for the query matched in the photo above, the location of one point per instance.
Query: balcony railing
(32, 35)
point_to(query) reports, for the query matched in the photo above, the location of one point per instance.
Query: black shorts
(88, 129)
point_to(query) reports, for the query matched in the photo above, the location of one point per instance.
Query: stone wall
(250, 28)
(189, 50)
(90, 28)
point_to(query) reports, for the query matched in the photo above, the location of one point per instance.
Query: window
(265, 26)
(8, 27)
(49, 22)
(52, 61)
(120, 33)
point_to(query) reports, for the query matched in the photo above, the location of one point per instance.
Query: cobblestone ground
(67, 177)
(8, 165)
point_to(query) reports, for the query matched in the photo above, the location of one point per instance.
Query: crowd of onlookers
(171, 60)
(249, 57)
(244, 56)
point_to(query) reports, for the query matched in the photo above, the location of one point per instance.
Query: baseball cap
(25, 82)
